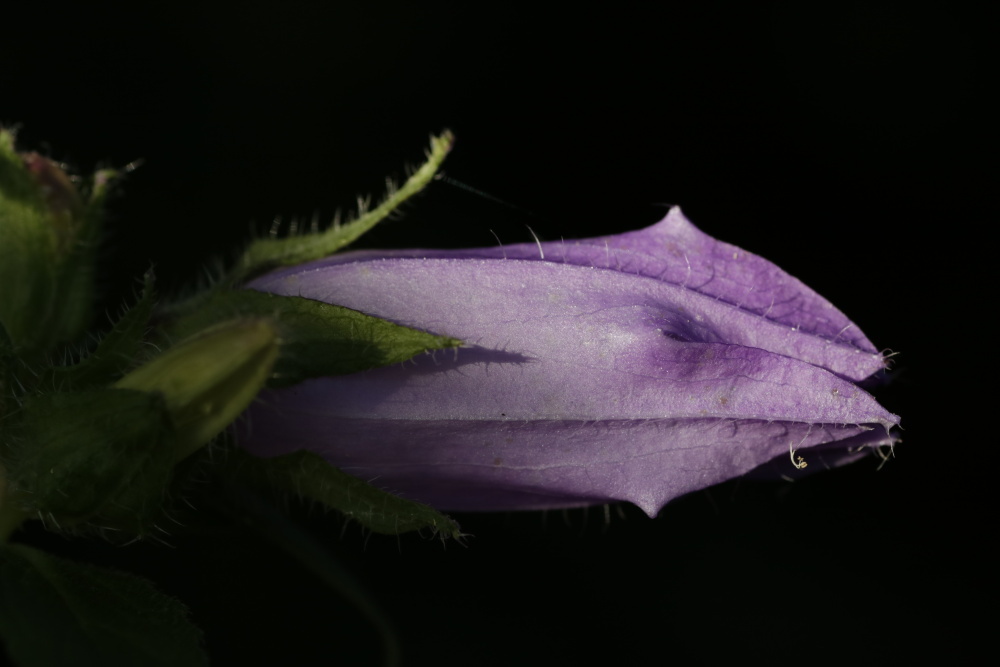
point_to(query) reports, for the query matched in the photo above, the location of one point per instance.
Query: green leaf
(317, 339)
(310, 476)
(57, 612)
(265, 254)
(116, 352)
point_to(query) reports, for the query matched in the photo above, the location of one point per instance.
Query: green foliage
(207, 380)
(266, 254)
(28, 250)
(96, 444)
(47, 255)
(102, 456)
(57, 612)
(309, 476)
(317, 339)
(116, 352)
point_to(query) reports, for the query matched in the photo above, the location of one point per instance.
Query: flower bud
(105, 456)
(207, 380)
(47, 238)
(634, 367)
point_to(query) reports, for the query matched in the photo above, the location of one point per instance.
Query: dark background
(849, 142)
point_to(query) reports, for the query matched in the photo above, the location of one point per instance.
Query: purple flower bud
(635, 367)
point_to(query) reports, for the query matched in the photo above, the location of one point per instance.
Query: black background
(849, 142)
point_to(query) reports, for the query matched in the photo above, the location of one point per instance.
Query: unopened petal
(580, 385)
(558, 341)
(463, 465)
(636, 367)
(675, 252)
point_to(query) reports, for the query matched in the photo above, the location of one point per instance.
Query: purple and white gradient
(636, 367)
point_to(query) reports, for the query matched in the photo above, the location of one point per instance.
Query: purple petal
(589, 376)
(617, 346)
(674, 251)
(461, 465)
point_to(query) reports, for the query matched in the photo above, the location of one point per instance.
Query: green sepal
(309, 476)
(318, 339)
(55, 611)
(102, 456)
(114, 354)
(207, 380)
(265, 254)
